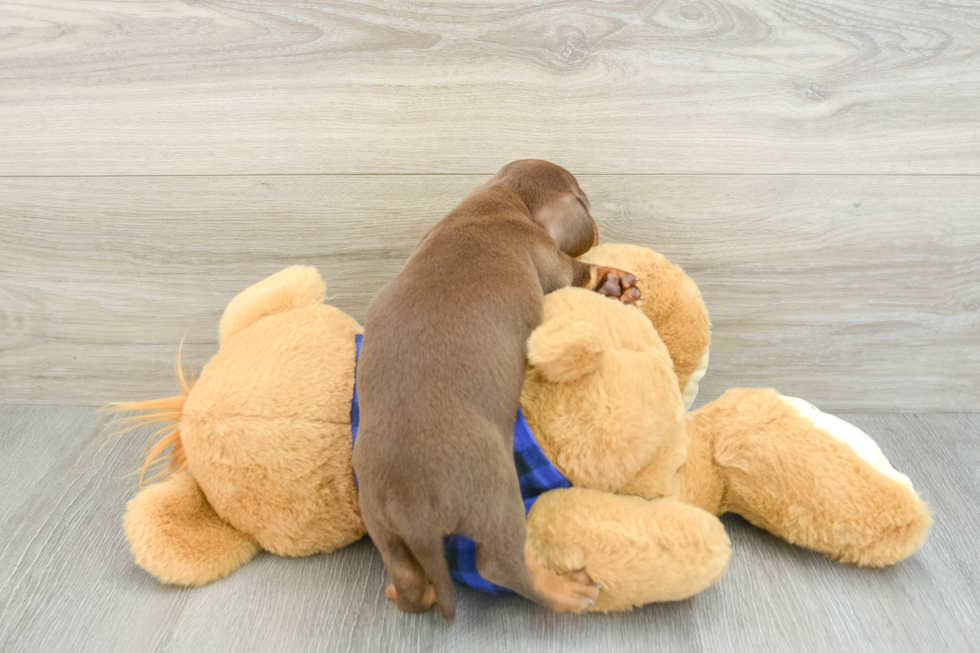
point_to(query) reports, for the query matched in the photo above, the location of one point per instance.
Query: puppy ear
(568, 222)
(565, 349)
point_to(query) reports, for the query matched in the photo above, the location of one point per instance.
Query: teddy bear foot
(176, 535)
(640, 551)
(809, 477)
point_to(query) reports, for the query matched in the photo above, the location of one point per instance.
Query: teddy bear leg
(175, 534)
(811, 478)
(639, 551)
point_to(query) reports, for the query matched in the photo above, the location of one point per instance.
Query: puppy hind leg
(410, 589)
(501, 558)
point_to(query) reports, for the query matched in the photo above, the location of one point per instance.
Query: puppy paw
(615, 283)
(574, 591)
(423, 605)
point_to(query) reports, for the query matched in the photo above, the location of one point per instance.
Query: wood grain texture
(67, 581)
(856, 293)
(716, 86)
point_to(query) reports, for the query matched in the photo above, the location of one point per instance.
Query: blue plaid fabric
(536, 473)
(355, 411)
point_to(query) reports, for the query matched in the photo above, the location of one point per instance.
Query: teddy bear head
(602, 394)
(673, 305)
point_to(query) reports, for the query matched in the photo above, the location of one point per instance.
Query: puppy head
(555, 201)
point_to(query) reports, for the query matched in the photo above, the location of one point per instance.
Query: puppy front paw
(615, 283)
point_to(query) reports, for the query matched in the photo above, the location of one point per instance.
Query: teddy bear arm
(639, 551)
(175, 534)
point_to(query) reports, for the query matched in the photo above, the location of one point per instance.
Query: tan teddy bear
(261, 447)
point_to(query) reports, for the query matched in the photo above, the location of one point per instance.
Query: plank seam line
(484, 174)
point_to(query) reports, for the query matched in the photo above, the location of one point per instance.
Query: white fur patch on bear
(691, 389)
(858, 440)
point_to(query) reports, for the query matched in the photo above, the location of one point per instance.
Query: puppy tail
(431, 555)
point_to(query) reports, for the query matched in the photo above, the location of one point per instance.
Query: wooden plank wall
(815, 167)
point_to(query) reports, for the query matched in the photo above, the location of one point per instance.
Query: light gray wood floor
(67, 582)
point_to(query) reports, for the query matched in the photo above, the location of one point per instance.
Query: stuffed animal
(259, 447)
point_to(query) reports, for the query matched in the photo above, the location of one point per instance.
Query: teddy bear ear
(295, 287)
(565, 348)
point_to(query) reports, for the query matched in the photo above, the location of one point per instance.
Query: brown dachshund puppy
(439, 384)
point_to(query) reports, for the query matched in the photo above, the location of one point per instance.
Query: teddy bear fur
(805, 476)
(266, 436)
